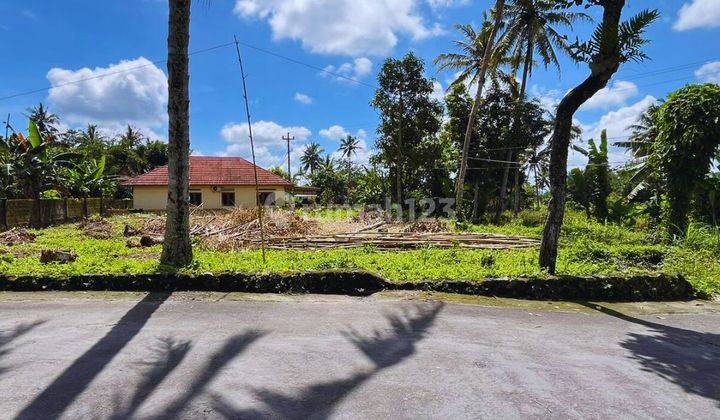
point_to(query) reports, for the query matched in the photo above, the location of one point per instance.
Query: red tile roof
(213, 171)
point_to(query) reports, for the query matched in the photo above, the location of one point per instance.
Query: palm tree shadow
(384, 349)
(9, 337)
(168, 355)
(58, 396)
(687, 358)
(232, 347)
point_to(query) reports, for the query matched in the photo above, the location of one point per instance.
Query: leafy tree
(688, 125)
(578, 189)
(331, 182)
(533, 29)
(33, 165)
(409, 123)
(370, 186)
(597, 175)
(311, 158)
(613, 42)
(177, 249)
(478, 58)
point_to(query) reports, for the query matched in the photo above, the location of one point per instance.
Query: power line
(113, 73)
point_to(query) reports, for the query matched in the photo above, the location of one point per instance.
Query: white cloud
(436, 4)
(270, 148)
(615, 94)
(709, 73)
(335, 132)
(304, 99)
(355, 70)
(348, 27)
(698, 14)
(131, 92)
(617, 124)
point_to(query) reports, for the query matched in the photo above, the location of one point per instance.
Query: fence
(18, 212)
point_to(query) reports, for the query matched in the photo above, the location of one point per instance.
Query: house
(215, 183)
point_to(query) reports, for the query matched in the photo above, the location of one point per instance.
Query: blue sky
(120, 46)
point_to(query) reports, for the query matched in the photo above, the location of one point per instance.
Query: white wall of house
(155, 197)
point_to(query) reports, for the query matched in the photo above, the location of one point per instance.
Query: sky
(103, 62)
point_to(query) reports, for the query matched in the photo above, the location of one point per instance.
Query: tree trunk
(398, 169)
(516, 197)
(506, 173)
(460, 182)
(503, 187)
(603, 66)
(177, 249)
(476, 201)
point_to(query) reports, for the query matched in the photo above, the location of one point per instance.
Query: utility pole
(7, 126)
(288, 139)
(252, 149)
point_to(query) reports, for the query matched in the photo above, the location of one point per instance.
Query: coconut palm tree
(640, 144)
(349, 147)
(45, 120)
(311, 158)
(177, 249)
(479, 55)
(533, 28)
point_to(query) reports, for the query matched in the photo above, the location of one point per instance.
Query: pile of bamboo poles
(398, 241)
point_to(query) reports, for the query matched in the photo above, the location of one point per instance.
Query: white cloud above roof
(130, 92)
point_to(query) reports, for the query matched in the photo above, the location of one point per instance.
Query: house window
(195, 198)
(228, 198)
(267, 198)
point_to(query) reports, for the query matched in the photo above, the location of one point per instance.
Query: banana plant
(88, 179)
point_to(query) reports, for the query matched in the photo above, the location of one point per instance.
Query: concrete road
(318, 357)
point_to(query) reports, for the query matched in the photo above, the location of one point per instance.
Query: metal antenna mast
(288, 139)
(252, 148)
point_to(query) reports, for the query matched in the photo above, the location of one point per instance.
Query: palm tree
(349, 147)
(177, 249)
(640, 144)
(479, 56)
(43, 119)
(131, 138)
(311, 158)
(532, 28)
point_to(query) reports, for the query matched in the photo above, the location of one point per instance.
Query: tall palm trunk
(509, 157)
(398, 167)
(177, 250)
(460, 182)
(604, 65)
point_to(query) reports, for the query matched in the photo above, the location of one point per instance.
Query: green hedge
(636, 288)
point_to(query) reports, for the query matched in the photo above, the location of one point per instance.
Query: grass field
(587, 248)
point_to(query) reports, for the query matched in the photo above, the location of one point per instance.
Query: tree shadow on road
(385, 349)
(58, 396)
(8, 337)
(687, 358)
(167, 356)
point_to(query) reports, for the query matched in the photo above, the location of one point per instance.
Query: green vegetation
(587, 248)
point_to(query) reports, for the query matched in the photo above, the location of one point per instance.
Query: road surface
(161, 356)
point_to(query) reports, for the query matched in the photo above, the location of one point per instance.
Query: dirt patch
(16, 237)
(96, 228)
(426, 226)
